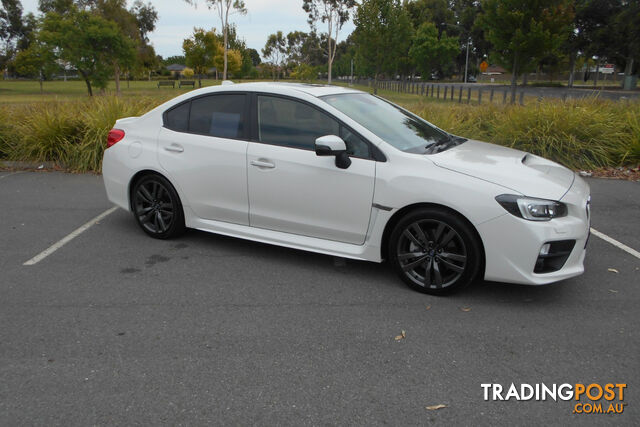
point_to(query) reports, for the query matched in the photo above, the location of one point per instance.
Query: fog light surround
(553, 256)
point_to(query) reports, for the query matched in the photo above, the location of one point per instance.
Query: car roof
(312, 89)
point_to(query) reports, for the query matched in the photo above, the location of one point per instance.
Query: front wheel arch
(401, 213)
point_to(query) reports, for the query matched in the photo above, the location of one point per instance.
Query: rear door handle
(262, 164)
(175, 148)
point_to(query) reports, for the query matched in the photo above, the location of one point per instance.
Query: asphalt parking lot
(118, 328)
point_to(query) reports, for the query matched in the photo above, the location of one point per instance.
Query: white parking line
(60, 243)
(615, 243)
(12, 173)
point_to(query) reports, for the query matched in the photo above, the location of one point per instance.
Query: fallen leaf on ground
(613, 270)
(428, 307)
(402, 336)
(613, 290)
(465, 309)
(436, 407)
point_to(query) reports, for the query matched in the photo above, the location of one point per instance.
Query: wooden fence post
(504, 96)
(460, 95)
(479, 96)
(491, 96)
(445, 92)
(438, 92)
(522, 98)
(452, 89)
(469, 96)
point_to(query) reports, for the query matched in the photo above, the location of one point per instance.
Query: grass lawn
(28, 91)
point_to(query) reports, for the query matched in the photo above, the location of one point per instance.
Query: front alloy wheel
(434, 251)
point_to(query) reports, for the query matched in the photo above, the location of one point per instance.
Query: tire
(434, 251)
(157, 208)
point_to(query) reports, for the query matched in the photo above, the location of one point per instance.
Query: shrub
(581, 134)
(71, 133)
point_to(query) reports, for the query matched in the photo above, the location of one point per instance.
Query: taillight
(115, 135)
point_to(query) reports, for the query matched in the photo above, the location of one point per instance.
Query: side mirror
(332, 145)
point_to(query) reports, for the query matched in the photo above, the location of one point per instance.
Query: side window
(355, 145)
(291, 123)
(178, 118)
(218, 115)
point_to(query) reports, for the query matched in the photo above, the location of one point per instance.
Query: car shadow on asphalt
(365, 274)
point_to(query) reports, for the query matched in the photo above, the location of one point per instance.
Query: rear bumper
(116, 177)
(512, 244)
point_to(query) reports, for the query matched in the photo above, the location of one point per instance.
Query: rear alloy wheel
(157, 208)
(434, 251)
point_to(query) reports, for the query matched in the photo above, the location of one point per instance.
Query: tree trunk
(572, 68)
(224, 72)
(117, 76)
(514, 79)
(628, 69)
(375, 83)
(86, 80)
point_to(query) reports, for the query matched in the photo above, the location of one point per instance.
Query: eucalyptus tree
(333, 13)
(224, 9)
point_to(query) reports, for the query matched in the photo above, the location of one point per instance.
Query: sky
(176, 20)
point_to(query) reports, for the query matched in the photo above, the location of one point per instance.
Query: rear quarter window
(177, 118)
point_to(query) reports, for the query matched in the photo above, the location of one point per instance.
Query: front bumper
(512, 244)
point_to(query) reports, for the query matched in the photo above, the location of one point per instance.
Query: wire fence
(455, 92)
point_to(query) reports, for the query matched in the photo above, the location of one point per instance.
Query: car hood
(517, 170)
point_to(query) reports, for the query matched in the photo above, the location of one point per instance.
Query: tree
(255, 57)
(10, 29)
(200, 51)
(146, 17)
(274, 50)
(429, 50)
(334, 13)
(90, 43)
(225, 8)
(522, 31)
(36, 61)
(382, 36)
(234, 61)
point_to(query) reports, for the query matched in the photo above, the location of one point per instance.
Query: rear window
(216, 115)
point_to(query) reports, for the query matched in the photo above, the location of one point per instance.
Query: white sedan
(341, 172)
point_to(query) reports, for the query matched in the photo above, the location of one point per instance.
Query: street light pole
(466, 64)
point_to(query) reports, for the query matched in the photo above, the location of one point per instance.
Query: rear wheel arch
(141, 174)
(401, 213)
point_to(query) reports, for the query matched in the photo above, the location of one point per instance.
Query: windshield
(401, 129)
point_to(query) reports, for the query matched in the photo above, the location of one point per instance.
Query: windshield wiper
(444, 144)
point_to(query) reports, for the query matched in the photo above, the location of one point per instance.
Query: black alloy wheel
(157, 208)
(434, 251)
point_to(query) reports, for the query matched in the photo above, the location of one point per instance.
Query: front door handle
(263, 164)
(175, 148)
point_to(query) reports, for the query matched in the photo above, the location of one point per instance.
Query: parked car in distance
(341, 172)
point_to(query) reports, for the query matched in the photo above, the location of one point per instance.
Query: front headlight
(530, 208)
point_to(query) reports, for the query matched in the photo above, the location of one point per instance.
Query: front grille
(556, 257)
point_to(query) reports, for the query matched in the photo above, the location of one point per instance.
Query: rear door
(203, 147)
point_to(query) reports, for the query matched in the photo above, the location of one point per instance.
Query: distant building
(493, 70)
(176, 69)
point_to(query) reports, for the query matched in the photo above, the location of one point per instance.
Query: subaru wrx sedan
(341, 172)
